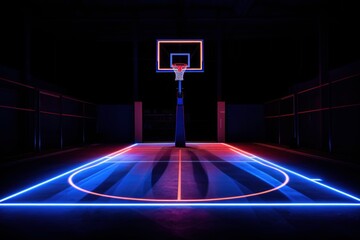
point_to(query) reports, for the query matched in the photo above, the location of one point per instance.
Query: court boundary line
(164, 204)
(252, 156)
(105, 158)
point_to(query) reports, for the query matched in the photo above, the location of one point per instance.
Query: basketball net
(179, 69)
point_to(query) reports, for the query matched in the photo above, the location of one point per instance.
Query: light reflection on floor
(202, 174)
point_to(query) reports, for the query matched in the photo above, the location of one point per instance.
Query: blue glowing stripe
(249, 156)
(180, 204)
(317, 179)
(253, 157)
(106, 158)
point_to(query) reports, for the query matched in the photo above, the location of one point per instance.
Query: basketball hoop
(179, 70)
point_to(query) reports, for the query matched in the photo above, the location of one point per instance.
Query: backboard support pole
(180, 120)
(178, 56)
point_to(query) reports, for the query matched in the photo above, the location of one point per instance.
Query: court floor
(159, 174)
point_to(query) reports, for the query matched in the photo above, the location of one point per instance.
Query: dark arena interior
(179, 119)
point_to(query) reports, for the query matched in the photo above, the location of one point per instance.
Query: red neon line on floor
(179, 177)
(179, 199)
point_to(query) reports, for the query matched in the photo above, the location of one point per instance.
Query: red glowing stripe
(345, 78)
(77, 100)
(329, 108)
(314, 110)
(247, 154)
(313, 88)
(179, 177)
(18, 108)
(326, 84)
(116, 153)
(51, 113)
(345, 106)
(55, 95)
(76, 116)
(179, 199)
(16, 83)
(279, 116)
(65, 115)
(288, 96)
(279, 99)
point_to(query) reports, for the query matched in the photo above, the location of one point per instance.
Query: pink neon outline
(234, 149)
(179, 41)
(179, 177)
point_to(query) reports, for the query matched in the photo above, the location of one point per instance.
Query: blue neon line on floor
(164, 204)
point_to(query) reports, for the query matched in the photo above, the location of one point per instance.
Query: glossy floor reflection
(204, 171)
(159, 174)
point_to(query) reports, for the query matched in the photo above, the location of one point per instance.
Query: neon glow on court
(203, 174)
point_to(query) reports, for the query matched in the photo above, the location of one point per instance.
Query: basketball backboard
(187, 51)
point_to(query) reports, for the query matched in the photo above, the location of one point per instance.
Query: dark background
(87, 47)
(103, 52)
(257, 52)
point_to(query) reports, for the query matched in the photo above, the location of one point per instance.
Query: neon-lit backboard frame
(191, 49)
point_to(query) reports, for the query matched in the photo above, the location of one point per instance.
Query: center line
(179, 177)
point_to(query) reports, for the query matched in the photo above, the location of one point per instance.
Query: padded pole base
(180, 124)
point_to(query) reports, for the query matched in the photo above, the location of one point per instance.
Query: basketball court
(181, 172)
(179, 120)
(159, 174)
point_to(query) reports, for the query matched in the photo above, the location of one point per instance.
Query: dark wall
(244, 122)
(115, 123)
(37, 120)
(320, 116)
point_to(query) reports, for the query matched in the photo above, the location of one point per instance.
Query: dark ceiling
(88, 47)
